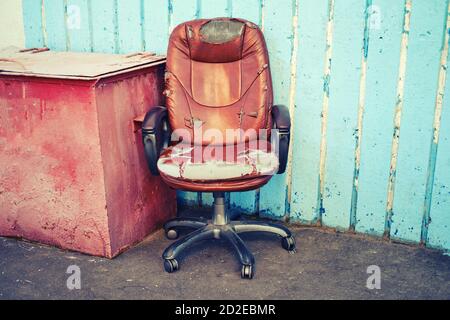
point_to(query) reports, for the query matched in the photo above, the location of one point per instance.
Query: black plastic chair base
(205, 230)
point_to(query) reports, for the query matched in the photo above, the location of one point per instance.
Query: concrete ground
(327, 265)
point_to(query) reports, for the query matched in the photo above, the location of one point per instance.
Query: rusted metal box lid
(41, 62)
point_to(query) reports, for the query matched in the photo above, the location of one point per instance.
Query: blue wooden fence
(365, 83)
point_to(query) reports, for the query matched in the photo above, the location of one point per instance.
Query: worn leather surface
(225, 85)
(218, 76)
(216, 186)
(217, 163)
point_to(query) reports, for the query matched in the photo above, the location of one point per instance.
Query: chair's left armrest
(155, 136)
(282, 124)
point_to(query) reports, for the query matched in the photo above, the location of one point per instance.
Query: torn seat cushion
(224, 163)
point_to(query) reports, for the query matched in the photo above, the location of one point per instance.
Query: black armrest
(282, 124)
(155, 136)
(281, 117)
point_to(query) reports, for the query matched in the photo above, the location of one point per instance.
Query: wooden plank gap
(361, 106)
(443, 62)
(292, 94)
(325, 105)
(397, 117)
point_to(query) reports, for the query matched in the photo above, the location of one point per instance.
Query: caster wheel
(172, 234)
(288, 243)
(171, 265)
(247, 271)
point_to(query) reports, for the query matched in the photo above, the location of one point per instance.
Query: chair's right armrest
(282, 124)
(155, 136)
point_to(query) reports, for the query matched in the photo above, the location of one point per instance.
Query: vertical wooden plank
(183, 10)
(55, 23)
(397, 115)
(79, 25)
(325, 107)
(33, 25)
(246, 202)
(103, 28)
(129, 25)
(142, 24)
(361, 107)
(116, 26)
(342, 115)
(437, 184)
(156, 28)
(216, 8)
(249, 10)
(386, 26)
(425, 40)
(187, 199)
(279, 36)
(291, 106)
(439, 226)
(312, 23)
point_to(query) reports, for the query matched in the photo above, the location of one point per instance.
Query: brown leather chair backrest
(218, 77)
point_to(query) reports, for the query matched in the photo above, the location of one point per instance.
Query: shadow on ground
(326, 266)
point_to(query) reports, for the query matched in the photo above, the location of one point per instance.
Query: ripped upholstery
(178, 162)
(221, 31)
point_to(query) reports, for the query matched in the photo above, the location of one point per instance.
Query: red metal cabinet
(72, 169)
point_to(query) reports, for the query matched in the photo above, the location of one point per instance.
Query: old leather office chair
(217, 78)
